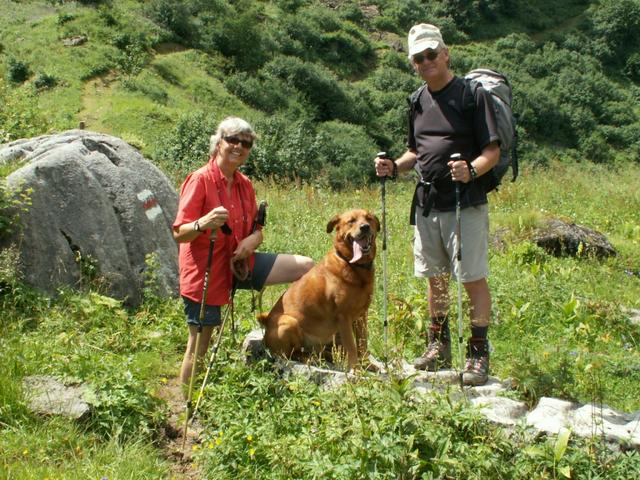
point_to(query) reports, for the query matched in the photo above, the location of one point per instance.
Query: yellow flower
(252, 452)
(25, 452)
(194, 448)
(218, 441)
(249, 438)
(164, 381)
(210, 445)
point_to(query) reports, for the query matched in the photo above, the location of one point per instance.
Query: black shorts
(212, 316)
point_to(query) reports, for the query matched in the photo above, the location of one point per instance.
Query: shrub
(286, 150)
(347, 153)
(318, 86)
(172, 15)
(186, 146)
(236, 33)
(17, 71)
(64, 18)
(45, 80)
(266, 93)
(132, 59)
(19, 114)
(616, 25)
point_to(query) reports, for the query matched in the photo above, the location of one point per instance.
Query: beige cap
(423, 36)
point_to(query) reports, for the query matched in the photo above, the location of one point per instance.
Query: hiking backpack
(497, 85)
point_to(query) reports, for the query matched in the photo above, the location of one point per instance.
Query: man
(439, 128)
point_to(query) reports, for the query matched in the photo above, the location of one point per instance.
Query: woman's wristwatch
(472, 171)
(196, 226)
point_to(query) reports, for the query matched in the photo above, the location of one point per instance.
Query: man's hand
(384, 167)
(459, 171)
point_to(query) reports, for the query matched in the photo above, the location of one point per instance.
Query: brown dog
(331, 298)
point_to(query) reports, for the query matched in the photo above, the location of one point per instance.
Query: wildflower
(210, 445)
(164, 380)
(249, 438)
(195, 448)
(218, 441)
(25, 452)
(252, 452)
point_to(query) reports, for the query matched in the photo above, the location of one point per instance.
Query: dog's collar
(366, 266)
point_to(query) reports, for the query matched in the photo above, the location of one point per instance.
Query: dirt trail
(182, 465)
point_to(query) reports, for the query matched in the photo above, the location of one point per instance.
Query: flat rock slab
(550, 416)
(46, 395)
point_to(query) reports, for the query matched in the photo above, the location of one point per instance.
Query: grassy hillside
(146, 71)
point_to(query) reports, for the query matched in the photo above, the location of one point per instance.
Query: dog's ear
(377, 221)
(332, 223)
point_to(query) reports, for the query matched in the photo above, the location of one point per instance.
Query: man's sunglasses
(430, 55)
(237, 140)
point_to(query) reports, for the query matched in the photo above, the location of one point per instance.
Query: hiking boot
(438, 353)
(476, 370)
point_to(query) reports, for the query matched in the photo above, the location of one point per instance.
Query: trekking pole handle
(261, 217)
(385, 156)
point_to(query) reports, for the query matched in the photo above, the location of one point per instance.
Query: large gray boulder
(95, 200)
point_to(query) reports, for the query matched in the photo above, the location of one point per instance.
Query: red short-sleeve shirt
(202, 191)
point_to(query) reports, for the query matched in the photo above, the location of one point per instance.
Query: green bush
(45, 80)
(616, 27)
(64, 18)
(338, 44)
(20, 116)
(286, 150)
(186, 147)
(17, 70)
(267, 93)
(173, 15)
(236, 32)
(317, 85)
(348, 154)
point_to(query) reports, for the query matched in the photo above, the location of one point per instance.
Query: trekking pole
(458, 236)
(205, 288)
(260, 220)
(385, 323)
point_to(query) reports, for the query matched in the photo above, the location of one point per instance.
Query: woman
(212, 196)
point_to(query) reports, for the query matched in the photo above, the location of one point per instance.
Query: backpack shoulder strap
(414, 100)
(469, 95)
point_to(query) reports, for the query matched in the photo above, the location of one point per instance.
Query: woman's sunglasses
(236, 140)
(430, 55)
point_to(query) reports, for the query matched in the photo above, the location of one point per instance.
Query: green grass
(558, 324)
(558, 330)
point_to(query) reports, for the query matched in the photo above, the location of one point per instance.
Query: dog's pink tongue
(357, 252)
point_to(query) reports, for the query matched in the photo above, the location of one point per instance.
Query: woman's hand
(247, 246)
(214, 219)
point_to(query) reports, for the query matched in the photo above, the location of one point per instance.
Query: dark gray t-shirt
(440, 128)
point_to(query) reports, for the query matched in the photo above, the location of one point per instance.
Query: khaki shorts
(435, 246)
